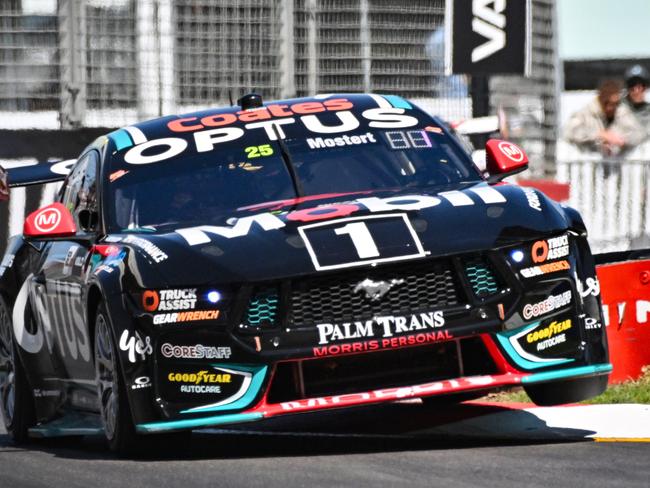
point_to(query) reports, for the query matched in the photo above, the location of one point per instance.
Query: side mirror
(503, 159)
(4, 185)
(52, 221)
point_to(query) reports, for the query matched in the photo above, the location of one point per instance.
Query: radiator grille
(415, 286)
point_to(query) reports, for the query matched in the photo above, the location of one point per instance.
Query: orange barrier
(625, 292)
(559, 192)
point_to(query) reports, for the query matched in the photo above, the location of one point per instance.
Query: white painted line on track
(598, 422)
(607, 421)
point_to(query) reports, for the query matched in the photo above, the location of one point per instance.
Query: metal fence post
(312, 49)
(148, 61)
(166, 53)
(72, 44)
(364, 37)
(287, 57)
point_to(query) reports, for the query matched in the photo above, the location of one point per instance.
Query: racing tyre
(566, 391)
(15, 393)
(114, 405)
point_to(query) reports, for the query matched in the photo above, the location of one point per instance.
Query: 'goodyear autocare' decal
(268, 221)
(209, 384)
(552, 341)
(549, 335)
(201, 382)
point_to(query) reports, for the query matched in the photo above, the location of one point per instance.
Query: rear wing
(20, 173)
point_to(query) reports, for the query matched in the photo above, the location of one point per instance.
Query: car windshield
(208, 187)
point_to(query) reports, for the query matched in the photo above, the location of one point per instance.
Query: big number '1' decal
(361, 238)
(357, 241)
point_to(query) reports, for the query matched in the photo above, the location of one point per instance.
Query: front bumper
(486, 343)
(460, 385)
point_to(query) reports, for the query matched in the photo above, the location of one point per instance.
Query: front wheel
(15, 393)
(114, 405)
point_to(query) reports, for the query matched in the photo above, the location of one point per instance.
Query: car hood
(269, 242)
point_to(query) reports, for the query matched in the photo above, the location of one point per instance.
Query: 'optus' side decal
(59, 318)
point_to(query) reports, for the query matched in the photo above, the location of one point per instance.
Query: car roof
(159, 127)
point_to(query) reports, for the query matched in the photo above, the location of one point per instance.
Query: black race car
(235, 264)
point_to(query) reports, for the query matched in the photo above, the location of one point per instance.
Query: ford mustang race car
(241, 263)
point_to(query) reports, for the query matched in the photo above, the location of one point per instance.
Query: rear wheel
(114, 406)
(15, 393)
(566, 391)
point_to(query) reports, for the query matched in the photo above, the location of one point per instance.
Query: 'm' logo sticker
(47, 220)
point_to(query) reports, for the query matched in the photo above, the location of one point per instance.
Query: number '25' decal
(257, 151)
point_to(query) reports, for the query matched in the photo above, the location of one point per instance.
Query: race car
(266, 259)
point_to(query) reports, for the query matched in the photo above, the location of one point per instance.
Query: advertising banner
(488, 37)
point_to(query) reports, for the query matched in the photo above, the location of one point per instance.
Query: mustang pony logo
(376, 289)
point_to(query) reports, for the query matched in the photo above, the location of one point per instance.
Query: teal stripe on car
(397, 102)
(234, 418)
(121, 138)
(596, 369)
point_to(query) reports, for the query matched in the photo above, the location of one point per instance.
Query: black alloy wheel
(16, 398)
(114, 407)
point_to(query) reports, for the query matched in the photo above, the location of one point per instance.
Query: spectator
(605, 125)
(636, 79)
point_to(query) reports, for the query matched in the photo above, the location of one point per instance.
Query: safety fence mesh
(107, 63)
(612, 195)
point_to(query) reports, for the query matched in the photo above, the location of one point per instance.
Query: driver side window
(80, 191)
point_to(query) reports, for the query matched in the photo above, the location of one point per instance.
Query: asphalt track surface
(387, 445)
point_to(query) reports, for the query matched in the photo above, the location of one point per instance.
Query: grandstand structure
(107, 63)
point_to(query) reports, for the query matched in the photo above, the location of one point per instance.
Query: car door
(62, 277)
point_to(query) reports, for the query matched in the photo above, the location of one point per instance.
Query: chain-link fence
(108, 63)
(29, 63)
(611, 194)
